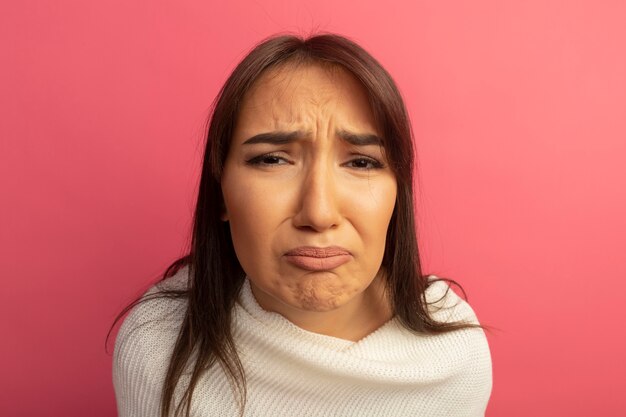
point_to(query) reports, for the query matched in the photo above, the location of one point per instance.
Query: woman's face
(308, 191)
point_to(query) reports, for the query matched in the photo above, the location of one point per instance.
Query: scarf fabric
(293, 372)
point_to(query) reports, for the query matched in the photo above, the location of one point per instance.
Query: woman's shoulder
(445, 305)
(468, 346)
(162, 304)
(144, 344)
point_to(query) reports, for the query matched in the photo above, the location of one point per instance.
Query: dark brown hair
(216, 277)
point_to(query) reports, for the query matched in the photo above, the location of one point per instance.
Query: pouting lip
(317, 252)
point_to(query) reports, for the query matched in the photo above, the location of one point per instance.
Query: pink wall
(519, 109)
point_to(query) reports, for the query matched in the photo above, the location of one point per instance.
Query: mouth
(313, 258)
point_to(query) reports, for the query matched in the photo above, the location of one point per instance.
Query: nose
(318, 202)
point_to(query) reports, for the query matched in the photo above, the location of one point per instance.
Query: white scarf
(293, 372)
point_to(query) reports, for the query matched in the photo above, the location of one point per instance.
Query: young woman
(302, 294)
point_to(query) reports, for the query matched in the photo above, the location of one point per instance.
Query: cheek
(378, 224)
(375, 212)
(252, 216)
(246, 213)
(370, 215)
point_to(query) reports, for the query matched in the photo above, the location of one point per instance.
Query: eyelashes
(370, 163)
(361, 163)
(267, 159)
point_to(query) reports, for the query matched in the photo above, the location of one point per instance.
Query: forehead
(298, 95)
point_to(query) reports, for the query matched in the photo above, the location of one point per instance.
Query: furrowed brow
(360, 139)
(283, 138)
(275, 138)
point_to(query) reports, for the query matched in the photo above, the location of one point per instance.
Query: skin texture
(314, 190)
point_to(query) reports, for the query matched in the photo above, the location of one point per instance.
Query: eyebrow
(283, 138)
(360, 139)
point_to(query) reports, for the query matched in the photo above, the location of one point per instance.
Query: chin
(318, 305)
(321, 297)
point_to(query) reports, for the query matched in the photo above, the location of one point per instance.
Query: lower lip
(311, 263)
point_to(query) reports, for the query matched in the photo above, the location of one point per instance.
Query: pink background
(519, 110)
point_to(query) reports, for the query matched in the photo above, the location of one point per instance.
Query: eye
(267, 159)
(365, 163)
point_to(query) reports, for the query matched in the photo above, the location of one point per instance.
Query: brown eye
(270, 160)
(267, 159)
(365, 163)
